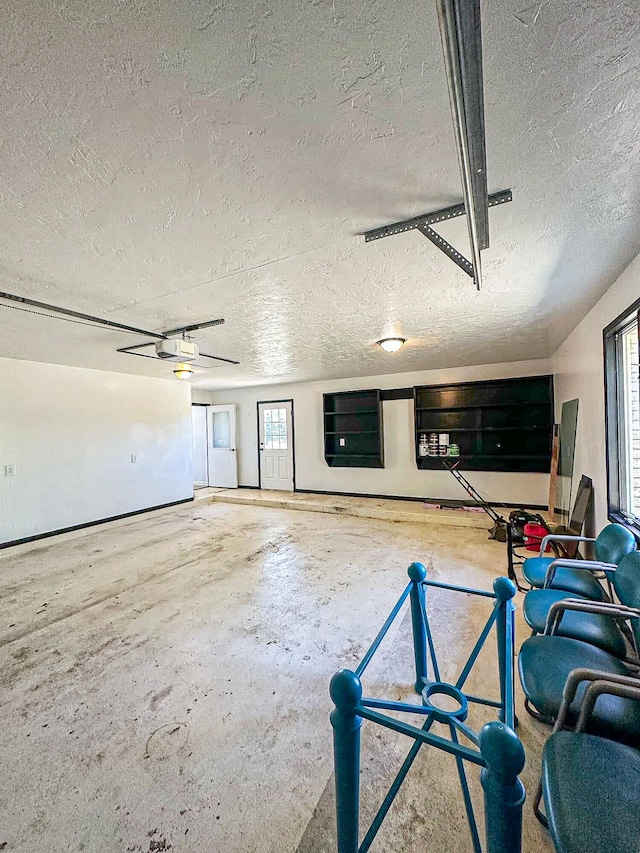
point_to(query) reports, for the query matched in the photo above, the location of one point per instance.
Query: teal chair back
(626, 582)
(613, 542)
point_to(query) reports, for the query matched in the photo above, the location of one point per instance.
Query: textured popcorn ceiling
(166, 162)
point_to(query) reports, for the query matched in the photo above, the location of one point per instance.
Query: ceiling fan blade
(195, 326)
(218, 358)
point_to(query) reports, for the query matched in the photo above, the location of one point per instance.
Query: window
(623, 416)
(221, 434)
(275, 429)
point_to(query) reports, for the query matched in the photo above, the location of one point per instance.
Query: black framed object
(621, 340)
(499, 425)
(293, 440)
(353, 436)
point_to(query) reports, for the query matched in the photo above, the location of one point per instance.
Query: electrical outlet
(9, 470)
(343, 442)
(134, 458)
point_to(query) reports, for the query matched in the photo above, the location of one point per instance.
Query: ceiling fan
(174, 345)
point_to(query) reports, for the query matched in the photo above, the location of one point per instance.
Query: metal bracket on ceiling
(461, 36)
(133, 350)
(447, 248)
(423, 223)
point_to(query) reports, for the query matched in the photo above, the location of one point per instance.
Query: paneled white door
(223, 458)
(276, 445)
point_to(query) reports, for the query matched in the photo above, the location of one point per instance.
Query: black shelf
(345, 455)
(500, 425)
(354, 412)
(544, 429)
(475, 406)
(486, 456)
(513, 464)
(355, 419)
(350, 431)
(485, 429)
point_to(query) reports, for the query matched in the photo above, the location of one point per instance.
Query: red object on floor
(533, 535)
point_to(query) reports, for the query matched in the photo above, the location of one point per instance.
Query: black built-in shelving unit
(353, 429)
(501, 425)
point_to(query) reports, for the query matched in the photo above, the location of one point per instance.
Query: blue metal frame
(497, 748)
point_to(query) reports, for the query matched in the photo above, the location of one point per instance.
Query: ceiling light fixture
(391, 344)
(183, 371)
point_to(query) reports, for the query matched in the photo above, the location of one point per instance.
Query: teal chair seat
(571, 580)
(591, 789)
(592, 628)
(544, 664)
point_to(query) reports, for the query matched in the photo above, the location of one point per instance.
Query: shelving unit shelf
(501, 425)
(353, 429)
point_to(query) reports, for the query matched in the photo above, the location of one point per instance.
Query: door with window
(223, 465)
(276, 445)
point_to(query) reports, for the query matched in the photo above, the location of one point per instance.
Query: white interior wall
(400, 475)
(198, 396)
(578, 367)
(71, 432)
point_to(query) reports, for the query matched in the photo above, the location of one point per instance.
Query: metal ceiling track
(90, 319)
(423, 225)
(77, 315)
(461, 36)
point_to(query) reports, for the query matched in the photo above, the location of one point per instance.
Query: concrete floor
(165, 681)
(380, 508)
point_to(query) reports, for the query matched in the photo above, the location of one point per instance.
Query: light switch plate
(134, 458)
(9, 470)
(343, 442)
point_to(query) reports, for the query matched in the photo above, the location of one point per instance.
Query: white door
(223, 465)
(276, 445)
(200, 444)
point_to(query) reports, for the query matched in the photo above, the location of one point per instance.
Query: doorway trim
(203, 406)
(293, 437)
(209, 407)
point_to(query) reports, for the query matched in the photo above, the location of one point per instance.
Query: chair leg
(610, 588)
(542, 718)
(536, 806)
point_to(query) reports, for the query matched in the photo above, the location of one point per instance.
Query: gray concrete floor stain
(165, 682)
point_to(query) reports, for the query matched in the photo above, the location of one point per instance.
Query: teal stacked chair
(576, 576)
(546, 661)
(597, 629)
(591, 785)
